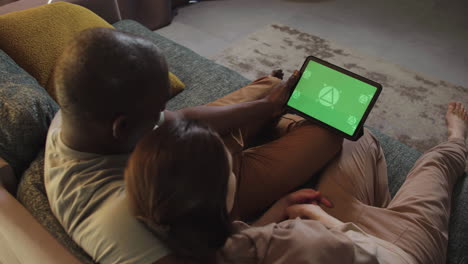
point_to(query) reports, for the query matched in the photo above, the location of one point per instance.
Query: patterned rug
(411, 107)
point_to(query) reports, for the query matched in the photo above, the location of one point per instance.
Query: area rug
(411, 107)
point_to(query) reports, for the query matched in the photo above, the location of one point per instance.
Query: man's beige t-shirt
(87, 195)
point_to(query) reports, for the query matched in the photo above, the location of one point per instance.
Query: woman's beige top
(307, 241)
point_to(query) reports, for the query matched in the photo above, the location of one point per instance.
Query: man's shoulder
(78, 184)
(87, 195)
(112, 234)
(78, 175)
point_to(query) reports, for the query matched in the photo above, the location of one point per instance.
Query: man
(112, 88)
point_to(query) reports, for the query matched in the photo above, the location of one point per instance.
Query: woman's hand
(277, 212)
(313, 212)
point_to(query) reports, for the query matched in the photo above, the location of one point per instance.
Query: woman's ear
(120, 128)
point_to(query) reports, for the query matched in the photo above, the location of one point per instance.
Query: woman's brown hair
(177, 181)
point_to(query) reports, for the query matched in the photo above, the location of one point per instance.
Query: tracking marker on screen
(329, 96)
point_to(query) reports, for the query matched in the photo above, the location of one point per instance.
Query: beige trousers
(416, 219)
(268, 171)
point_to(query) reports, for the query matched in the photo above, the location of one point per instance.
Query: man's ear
(120, 128)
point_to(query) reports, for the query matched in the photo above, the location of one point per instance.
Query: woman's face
(232, 185)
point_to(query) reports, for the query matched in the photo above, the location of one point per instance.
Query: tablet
(333, 97)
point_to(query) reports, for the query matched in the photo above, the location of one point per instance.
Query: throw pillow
(36, 37)
(26, 112)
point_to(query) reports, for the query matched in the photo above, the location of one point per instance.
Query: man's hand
(313, 212)
(280, 93)
(278, 213)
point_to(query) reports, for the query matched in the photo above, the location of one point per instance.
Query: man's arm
(224, 118)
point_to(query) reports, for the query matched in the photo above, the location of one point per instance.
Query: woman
(180, 184)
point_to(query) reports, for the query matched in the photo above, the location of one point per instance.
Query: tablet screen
(332, 97)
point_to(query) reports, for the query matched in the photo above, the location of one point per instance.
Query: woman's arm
(313, 212)
(278, 211)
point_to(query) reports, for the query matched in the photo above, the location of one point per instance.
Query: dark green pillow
(26, 111)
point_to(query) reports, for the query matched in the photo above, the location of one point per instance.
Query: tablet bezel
(359, 127)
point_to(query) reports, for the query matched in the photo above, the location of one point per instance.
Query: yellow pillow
(176, 84)
(36, 37)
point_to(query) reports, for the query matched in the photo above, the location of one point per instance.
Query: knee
(332, 141)
(370, 137)
(305, 131)
(447, 161)
(273, 80)
(336, 143)
(372, 143)
(450, 153)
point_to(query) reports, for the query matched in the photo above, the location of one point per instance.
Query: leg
(268, 172)
(238, 139)
(425, 197)
(416, 220)
(255, 90)
(284, 163)
(357, 176)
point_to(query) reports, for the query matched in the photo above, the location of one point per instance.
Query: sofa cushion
(24, 40)
(26, 112)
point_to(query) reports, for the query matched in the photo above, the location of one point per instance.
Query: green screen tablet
(335, 97)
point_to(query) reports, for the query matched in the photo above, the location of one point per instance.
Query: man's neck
(90, 139)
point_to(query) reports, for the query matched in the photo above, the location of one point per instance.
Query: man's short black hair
(104, 72)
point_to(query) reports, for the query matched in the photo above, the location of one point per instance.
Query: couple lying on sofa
(194, 171)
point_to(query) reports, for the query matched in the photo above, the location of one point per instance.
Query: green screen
(332, 97)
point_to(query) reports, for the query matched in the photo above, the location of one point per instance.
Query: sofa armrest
(23, 240)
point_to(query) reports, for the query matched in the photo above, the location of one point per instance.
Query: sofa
(152, 14)
(26, 110)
